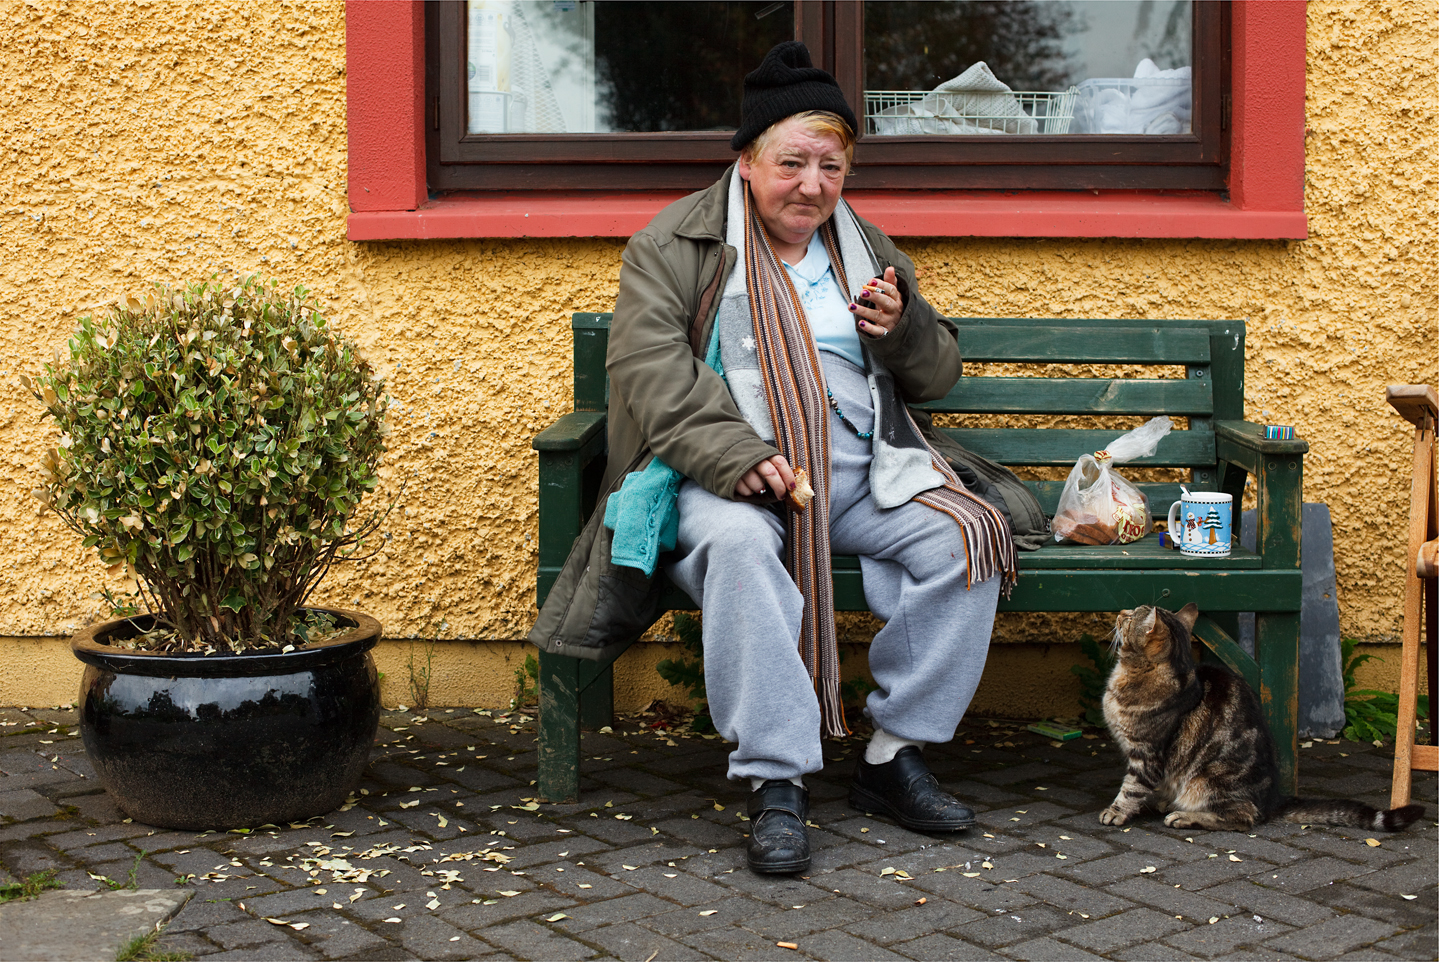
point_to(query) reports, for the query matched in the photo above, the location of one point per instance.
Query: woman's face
(796, 182)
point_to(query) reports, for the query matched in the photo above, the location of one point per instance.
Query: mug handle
(1173, 535)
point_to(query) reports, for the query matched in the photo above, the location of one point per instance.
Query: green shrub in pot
(218, 441)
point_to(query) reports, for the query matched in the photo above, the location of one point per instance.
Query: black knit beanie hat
(787, 83)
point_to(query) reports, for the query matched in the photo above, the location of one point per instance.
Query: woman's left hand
(878, 313)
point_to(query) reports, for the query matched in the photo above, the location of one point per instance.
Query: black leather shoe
(778, 842)
(907, 791)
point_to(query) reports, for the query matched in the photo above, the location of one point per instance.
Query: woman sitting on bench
(761, 329)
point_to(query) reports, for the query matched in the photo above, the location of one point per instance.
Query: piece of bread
(1084, 530)
(802, 494)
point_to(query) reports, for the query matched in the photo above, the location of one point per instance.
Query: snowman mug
(1202, 524)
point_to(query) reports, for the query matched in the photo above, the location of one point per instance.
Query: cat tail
(1326, 811)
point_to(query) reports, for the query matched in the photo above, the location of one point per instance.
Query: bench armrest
(1278, 469)
(1248, 436)
(572, 432)
(567, 450)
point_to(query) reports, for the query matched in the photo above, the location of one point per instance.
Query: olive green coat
(664, 398)
(665, 401)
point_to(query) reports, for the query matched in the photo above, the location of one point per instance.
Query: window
(604, 95)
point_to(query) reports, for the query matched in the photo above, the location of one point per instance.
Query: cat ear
(1189, 614)
(1147, 625)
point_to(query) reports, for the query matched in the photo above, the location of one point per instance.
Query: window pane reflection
(996, 67)
(576, 66)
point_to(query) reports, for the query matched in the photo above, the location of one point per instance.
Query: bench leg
(559, 766)
(1276, 649)
(597, 701)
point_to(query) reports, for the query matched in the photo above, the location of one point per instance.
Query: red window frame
(389, 199)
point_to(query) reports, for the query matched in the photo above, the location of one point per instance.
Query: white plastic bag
(1097, 506)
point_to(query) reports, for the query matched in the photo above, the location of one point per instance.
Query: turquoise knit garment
(644, 512)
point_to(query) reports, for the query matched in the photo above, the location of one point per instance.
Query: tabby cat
(1196, 739)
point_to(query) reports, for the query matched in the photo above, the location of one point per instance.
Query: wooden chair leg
(1418, 405)
(559, 765)
(1276, 649)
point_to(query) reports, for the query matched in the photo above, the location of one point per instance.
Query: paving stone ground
(444, 854)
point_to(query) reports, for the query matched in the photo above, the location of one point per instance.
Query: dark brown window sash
(833, 31)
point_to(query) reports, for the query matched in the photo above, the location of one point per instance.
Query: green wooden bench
(1219, 450)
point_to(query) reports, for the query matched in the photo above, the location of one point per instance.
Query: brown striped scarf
(794, 388)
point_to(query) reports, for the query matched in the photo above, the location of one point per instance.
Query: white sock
(883, 746)
(756, 783)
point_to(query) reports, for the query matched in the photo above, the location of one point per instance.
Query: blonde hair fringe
(815, 121)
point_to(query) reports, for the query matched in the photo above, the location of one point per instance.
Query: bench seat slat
(1070, 345)
(1062, 446)
(1142, 555)
(1086, 589)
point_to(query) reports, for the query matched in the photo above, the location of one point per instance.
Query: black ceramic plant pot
(197, 742)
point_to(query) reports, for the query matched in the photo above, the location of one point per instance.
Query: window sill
(898, 213)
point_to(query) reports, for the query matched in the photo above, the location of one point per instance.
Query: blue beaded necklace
(863, 435)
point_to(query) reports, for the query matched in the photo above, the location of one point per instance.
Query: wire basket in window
(931, 112)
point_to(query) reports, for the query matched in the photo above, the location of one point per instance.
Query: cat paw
(1112, 816)
(1182, 820)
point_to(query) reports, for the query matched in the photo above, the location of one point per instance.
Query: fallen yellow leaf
(709, 911)
(1372, 842)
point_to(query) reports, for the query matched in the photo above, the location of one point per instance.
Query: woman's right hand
(771, 476)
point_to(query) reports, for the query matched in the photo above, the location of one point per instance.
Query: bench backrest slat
(1211, 353)
(1068, 345)
(1161, 495)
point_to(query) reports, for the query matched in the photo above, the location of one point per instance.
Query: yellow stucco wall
(164, 140)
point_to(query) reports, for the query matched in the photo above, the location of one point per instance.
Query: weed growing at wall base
(1369, 715)
(1093, 680)
(689, 674)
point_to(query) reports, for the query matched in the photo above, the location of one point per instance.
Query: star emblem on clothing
(748, 343)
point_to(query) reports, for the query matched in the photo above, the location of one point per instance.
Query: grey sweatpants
(926, 660)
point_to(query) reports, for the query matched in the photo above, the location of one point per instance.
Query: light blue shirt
(825, 306)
